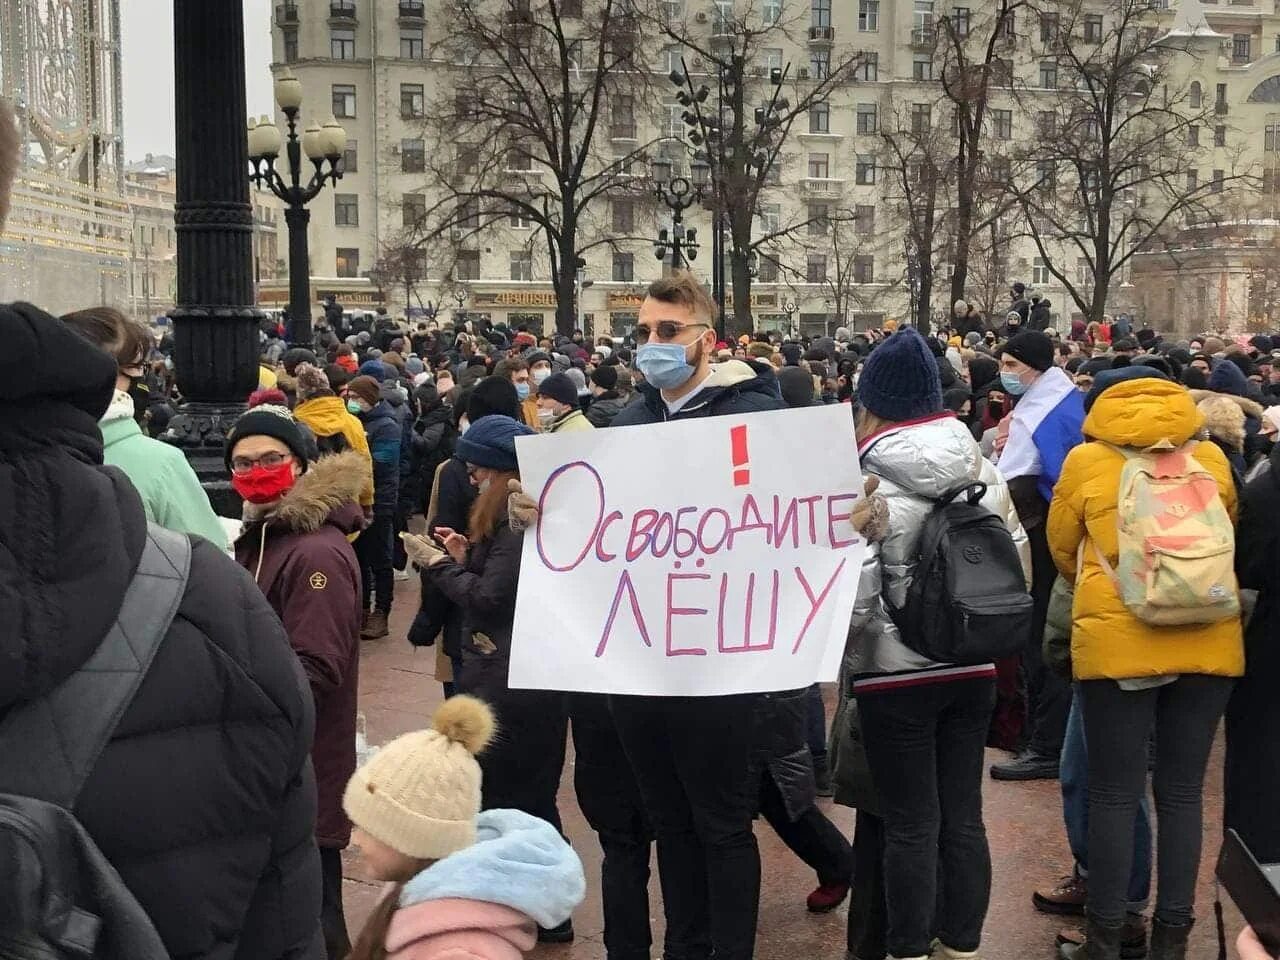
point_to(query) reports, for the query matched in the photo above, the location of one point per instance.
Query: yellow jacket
(529, 411)
(1107, 641)
(327, 417)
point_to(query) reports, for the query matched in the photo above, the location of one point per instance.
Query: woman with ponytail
(466, 884)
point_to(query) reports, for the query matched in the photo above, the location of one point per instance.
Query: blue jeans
(1074, 777)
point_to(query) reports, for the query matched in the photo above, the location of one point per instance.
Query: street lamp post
(320, 143)
(679, 194)
(789, 308)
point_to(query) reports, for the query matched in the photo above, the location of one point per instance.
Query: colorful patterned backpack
(1176, 561)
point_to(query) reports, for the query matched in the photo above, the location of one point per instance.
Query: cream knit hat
(420, 793)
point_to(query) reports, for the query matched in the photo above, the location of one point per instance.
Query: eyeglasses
(666, 330)
(243, 465)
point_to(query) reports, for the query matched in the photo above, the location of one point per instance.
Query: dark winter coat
(734, 387)
(453, 499)
(971, 322)
(385, 438)
(781, 749)
(605, 408)
(204, 798)
(303, 562)
(431, 444)
(1041, 317)
(1252, 774)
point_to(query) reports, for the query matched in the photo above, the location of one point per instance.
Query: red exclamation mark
(738, 438)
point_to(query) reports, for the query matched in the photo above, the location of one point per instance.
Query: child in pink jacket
(468, 885)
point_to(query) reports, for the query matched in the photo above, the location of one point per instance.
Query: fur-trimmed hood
(331, 483)
(1251, 408)
(1223, 419)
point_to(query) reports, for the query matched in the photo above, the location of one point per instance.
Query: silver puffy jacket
(915, 464)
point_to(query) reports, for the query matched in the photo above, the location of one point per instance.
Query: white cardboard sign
(695, 558)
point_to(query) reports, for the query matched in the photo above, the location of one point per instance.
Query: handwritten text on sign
(699, 557)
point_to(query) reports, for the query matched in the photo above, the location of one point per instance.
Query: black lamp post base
(200, 431)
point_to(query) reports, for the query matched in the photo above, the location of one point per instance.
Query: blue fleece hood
(518, 861)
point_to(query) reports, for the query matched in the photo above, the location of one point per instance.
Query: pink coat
(456, 929)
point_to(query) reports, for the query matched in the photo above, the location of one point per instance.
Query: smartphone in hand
(1255, 888)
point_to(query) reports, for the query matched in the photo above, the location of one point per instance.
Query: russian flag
(1044, 426)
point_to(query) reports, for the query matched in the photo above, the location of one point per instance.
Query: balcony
(413, 10)
(286, 13)
(822, 34)
(923, 38)
(821, 187)
(339, 10)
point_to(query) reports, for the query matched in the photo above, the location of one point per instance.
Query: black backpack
(59, 897)
(967, 602)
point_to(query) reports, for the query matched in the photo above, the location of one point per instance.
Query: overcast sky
(147, 28)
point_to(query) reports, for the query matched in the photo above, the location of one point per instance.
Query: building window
(290, 45)
(1220, 136)
(520, 157)
(1049, 75)
(624, 216)
(571, 8)
(412, 101)
(1039, 273)
(866, 118)
(413, 209)
(1215, 185)
(1193, 180)
(624, 267)
(344, 100)
(771, 59)
(816, 268)
(769, 216)
(819, 219)
(768, 270)
(411, 43)
(869, 69)
(671, 56)
(520, 220)
(413, 155)
(864, 218)
(1048, 28)
(819, 64)
(868, 16)
(1195, 96)
(467, 215)
(921, 118)
(1046, 124)
(922, 67)
(1002, 124)
(960, 20)
(864, 269)
(1271, 137)
(347, 262)
(1046, 174)
(865, 171)
(819, 166)
(820, 13)
(346, 210)
(1193, 135)
(624, 118)
(771, 11)
(468, 159)
(521, 265)
(1241, 47)
(467, 265)
(350, 157)
(1093, 28)
(342, 43)
(820, 117)
(1220, 98)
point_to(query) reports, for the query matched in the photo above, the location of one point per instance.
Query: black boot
(1168, 943)
(1100, 943)
(561, 934)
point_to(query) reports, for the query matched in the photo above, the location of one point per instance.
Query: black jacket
(431, 444)
(1253, 714)
(782, 750)
(204, 799)
(735, 387)
(605, 408)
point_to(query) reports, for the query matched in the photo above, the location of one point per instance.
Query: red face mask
(264, 484)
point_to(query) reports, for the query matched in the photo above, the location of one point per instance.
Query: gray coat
(916, 464)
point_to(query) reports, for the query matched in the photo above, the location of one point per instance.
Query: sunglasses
(666, 330)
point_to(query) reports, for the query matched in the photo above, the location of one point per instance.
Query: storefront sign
(531, 298)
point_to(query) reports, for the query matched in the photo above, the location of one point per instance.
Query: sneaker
(942, 952)
(375, 626)
(561, 934)
(827, 897)
(1026, 766)
(1066, 899)
(1133, 939)
(400, 575)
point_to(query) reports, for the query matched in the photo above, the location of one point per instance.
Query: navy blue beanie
(491, 442)
(1106, 379)
(900, 379)
(1228, 378)
(374, 368)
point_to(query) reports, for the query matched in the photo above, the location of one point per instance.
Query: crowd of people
(1135, 475)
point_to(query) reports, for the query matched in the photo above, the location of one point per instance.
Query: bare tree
(539, 123)
(740, 111)
(1114, 164)
(401, 265)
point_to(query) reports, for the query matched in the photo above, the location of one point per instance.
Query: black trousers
(1048, 694)
(868, 925)
(610, 800)
(692, 761)
(373, 550)
(811, 836)
(337, 943)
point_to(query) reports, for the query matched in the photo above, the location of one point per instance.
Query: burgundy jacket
(302, 559)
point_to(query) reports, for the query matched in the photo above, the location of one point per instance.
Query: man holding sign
(702, 583)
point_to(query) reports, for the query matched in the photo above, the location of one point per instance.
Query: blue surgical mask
(522, 391)
(665, 365)
(1013, 384)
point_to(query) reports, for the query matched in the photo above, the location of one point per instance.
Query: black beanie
(268, 420)
(796, 384)
(1033, 348)
(493, 395)
(560, 388)
(606, 378)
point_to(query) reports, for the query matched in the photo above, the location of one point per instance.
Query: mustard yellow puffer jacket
(1108, 642)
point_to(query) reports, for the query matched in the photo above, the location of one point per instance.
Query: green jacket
(171, 494)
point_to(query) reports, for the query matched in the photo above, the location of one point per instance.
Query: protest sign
(700, 557)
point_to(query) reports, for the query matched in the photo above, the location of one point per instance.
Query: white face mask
(546, 416)
(540, 374)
